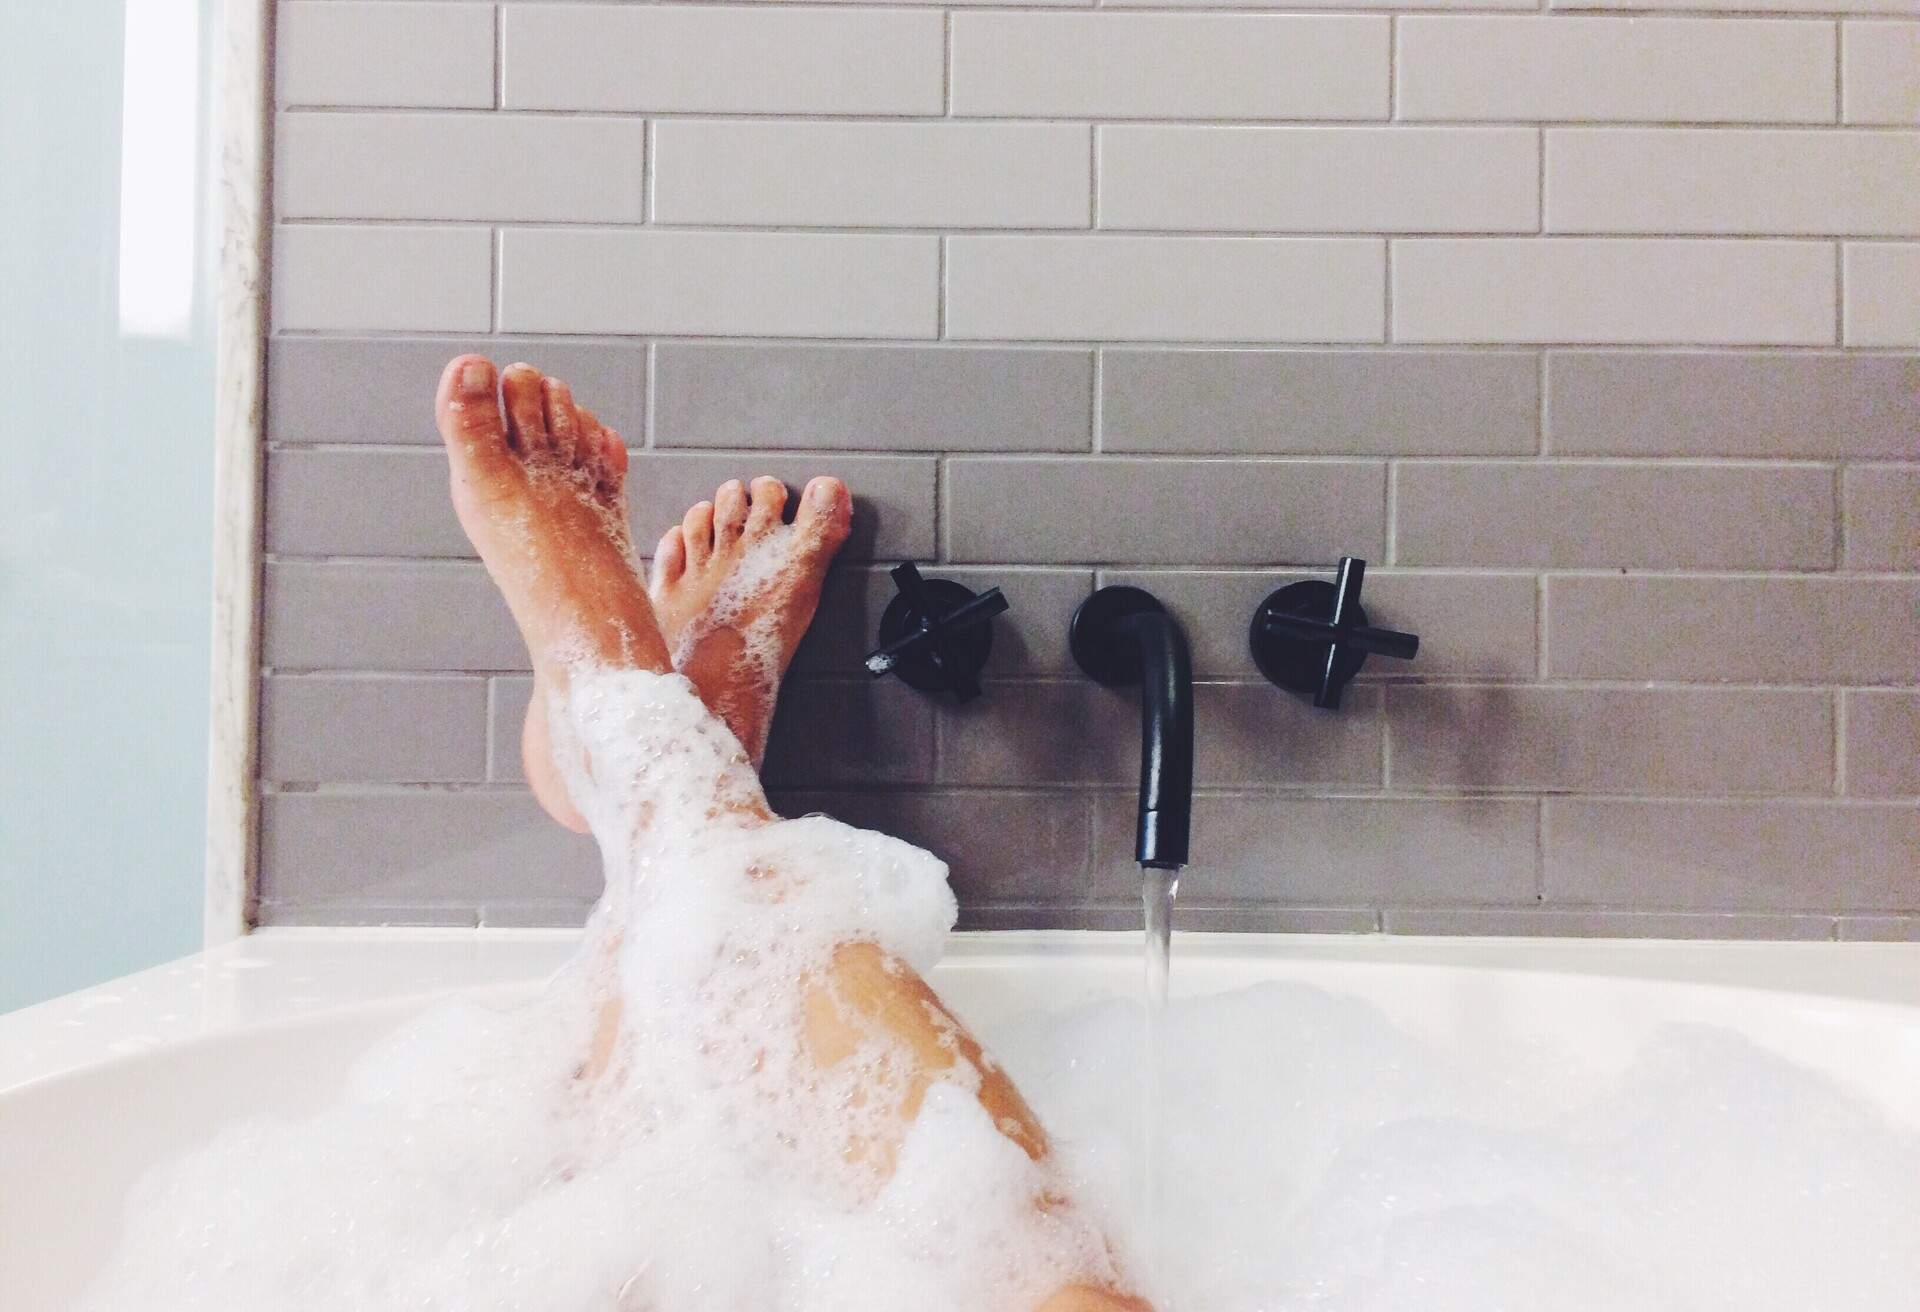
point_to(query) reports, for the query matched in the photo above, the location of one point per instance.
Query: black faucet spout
(1122, 636)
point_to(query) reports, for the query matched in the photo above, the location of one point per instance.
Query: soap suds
(1318, 1158)
(712, 1165)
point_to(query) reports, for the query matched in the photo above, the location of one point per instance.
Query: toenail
(823, 494)
(476, 377)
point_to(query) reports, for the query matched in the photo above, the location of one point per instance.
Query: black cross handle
(1312, 637)
(936, 634)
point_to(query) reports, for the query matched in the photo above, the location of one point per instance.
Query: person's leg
(537, 489)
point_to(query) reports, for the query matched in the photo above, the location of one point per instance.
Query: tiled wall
(1599, 335)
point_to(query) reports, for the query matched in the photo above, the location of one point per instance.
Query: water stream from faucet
(1157, 891)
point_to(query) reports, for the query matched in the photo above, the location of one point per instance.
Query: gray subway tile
(393, 502)
(718, 283)
(1730, 856)
(1320, 402)
(1640, 291)
(1226, 66)
(423, 166)
(1030, 638)
(829, 732)
(1000, 846)
(1734, 630)
(1882, 282)
(1125, 288)
(1258, 918)
(1649, 742)
(1559, 923)
(1401, 178)
(420, 846)
(535, 913)
(332, 729)
(507, 698)
(877, 398)
(1252, 735)
(376, 502)
(1878, 929)
(386, 615)
(1468, 623)
(1574, 515)
(273, 912)
(349, 52)
(1335, 851)
(1165, 512)
(760, 59)
(1041, 733)
(1245, 735)
(1739, 181)
(1727, 403)
(1568, 67)
(1882, 744)
(1880, 506)
(373, 278)
(1047, 915)
(872, 175)
(379, 390)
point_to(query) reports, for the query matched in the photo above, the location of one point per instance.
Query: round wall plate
(918, 669)
(1295, 664)
(1094, 639)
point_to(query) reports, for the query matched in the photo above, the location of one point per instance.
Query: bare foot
(734, 589)
(541, 494)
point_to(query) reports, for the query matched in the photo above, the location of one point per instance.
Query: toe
(769, 504)
(613, 461)
(825, 515)
(520, 384)
(467, 411)
(729, 514)
(669, 558)
(697, 529)
(562, 419)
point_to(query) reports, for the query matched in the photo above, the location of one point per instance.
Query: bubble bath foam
(1313, 1157)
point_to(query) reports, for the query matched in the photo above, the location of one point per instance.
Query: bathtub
(97, 1086)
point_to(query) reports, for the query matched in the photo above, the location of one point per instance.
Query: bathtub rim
(278, 976)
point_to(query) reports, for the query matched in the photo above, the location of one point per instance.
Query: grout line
(1839, 72)
(943, 508)
(1386, 289)
(1540, 849)
(1543, 416)
(1540, 627)
(1393, 67)
(1190, 345)
(1099, 400)
(1839, 293)
(499, 57)
(650, 174)
(1392, 512)
(946, 63)
(1093, 175)
(1842, 701)
(1540, 185)
(940, 290)
(496, 277)
(649, 396)
(931, 117)
(492, 707)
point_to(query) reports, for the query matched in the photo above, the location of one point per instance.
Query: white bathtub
(96, 1086)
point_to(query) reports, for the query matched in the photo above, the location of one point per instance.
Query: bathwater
(1158, 888)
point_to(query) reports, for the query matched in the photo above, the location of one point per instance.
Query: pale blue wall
(105, 522)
